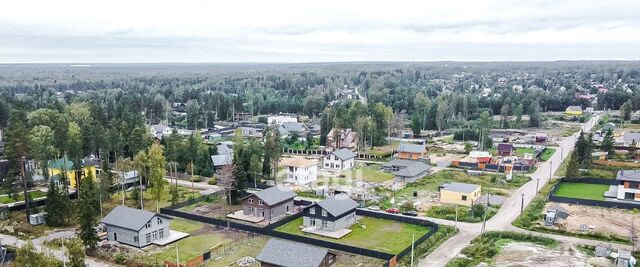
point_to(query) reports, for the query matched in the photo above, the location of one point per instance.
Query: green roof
(60, 164)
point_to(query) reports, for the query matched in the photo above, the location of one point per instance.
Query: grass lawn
(250, 248)
(184, 194)
(448, 212)
(547, 153)
(184, 225)
(190, 247)
(520, 151)
(369, 174)
(6, 199)
(582, 190)
(381, 235)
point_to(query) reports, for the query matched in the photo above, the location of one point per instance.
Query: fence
(614, 163)
(590, 202)
(270, 231)
(312, 152)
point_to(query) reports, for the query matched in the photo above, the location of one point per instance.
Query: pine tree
(55, 205)
(88, 207)
(75, 253)
(608, 143)
(573, 168)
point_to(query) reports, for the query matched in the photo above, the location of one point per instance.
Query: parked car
(376, 208)
(393, 210)
(410, 213)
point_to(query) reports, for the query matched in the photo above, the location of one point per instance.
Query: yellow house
(573, 111)
(459, 193)
(57, 167)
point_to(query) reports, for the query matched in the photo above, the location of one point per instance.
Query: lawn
(547, 153)
(184, 194)
(520, 151)
(190, 247)
(369, 174)
(448, 212)
(582, 190)
(184, 225)
(6, 199)
(371, 233)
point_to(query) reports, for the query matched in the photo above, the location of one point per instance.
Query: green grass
(378, 234)
(190, 247)
(6, 199)
(251, 248)
(547, 153)
(582, 190)
(464, 213)
(369, 174)
(184, 225)
(520, 151)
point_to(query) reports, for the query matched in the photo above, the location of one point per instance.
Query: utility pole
(413, 241)
(24, 186)
(484, 217)
(456, 224)
(522, 204)
(550, 171)
(537, 183)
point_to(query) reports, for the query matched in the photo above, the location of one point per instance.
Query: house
(504, 150)
(459, 193)
(554, 214)
(635, 117)
(284, 253)
(160, 130)
(270, 204)
(628, 187)
(541, 137)
(343, 159)
(135, 227)
(573, 111)
(128, 179)
(407, 171)
(609, 126)
(291, 128)
(241, 116)
(625, 259)
(412, 151)
(332, 214)
(342, 138)
(251, 132)
(223, 158)
(64, 165)
(631, 139)
(300, 171)
(279, 120)
(599, 155)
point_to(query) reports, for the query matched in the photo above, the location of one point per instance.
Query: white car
(376, 208)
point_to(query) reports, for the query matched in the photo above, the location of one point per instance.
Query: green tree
(504, 116)
(16, 150)
(41, 144)
(55, 205)
(608, 143)
(518, 112)
(626, 109)
(573, 167)
(75, 253)
(88, 212)
(416, 125)
(157, 171)
(27, 256)
(535, 117)
(467, 147)
(484, 130)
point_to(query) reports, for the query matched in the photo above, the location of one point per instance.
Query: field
(582, 190)
(465, 214)
(371, 233)
(368, 173)
(547, 153)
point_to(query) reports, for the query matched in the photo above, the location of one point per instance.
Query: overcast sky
(312, 31)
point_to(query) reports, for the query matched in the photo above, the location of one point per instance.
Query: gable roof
(412, 148)
(344, 154)
(630, 137)
(398, 162)
(62, 164)
(505, 147)
(413, 169)
(628, 175)
(293, 126)
(221, 160)
(223, 149)
(275, 194)
(460, 187)
(291, 254)
(298, 162)
(574, 108)
(129, 218)
(338, 204)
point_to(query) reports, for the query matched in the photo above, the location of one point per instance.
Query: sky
(122, 31)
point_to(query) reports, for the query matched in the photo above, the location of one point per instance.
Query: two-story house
(270, 204)
(412, 151)
(628, 185)
(343, 159)
(136, 227)
(332, 214)
(342, 138)
(300, 171)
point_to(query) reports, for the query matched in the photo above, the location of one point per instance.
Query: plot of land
(547, 153)
(369, 174)
(371, 233)
(582, 190)
(6, 199)
(520, 151)
(527, 254)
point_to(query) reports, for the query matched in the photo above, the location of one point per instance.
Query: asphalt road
(510, 210)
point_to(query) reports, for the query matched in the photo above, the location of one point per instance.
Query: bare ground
(527, 254)
(615, 221)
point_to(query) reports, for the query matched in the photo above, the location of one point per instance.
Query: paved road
(510, 210)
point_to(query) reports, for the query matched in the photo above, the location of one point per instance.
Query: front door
(313, 222)
(115, 236)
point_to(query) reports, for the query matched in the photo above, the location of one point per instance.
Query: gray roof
(274, 195)
(128, 218)
(414, 169)
(291, 254)
(159, 127)
(293, 126)
(460, 187)
(224, 149)
(628, 175)
(412, 148)
(629, 137)
(398, 162)
(221, 160)
(338, 204)
(344, 154)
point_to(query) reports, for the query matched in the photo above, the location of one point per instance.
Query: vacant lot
(527, 254)
(371, 233)
(582, 190)
(368, 173)
(547, 153)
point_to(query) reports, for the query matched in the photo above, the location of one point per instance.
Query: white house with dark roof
(628, 187)
(160, 130)
(343, 159)
(284, 253)
(136, 227)
(332, 214)
(271, 203)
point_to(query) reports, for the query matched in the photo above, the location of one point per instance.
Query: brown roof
(298, 162)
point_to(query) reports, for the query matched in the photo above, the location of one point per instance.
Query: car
(410, 213)
(393, 210)
(375, 208)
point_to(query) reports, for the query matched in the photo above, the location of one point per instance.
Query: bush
(212, 181)
(119, 258)
(196, 179)
(465, 134)
(407, 206)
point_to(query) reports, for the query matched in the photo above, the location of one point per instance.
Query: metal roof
(628, 175)
(338, 204)
(276, 194)
(413, 169)
(291, 254)
(398, 162)
(221, 160)
(412, 148)
(129, 218)
(344, 154)
(460, 187)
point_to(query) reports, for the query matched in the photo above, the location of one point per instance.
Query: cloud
(291, 31)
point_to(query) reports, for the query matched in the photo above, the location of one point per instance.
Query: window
(464, 197)
(135, 239)
(260, 202)
(324, 224)
(155, 235)
(148, 237)
(250, 200)
(250, 209)
(312, 210)
(324, 213)
(159, 220)
(161, 233)
(148, 225)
